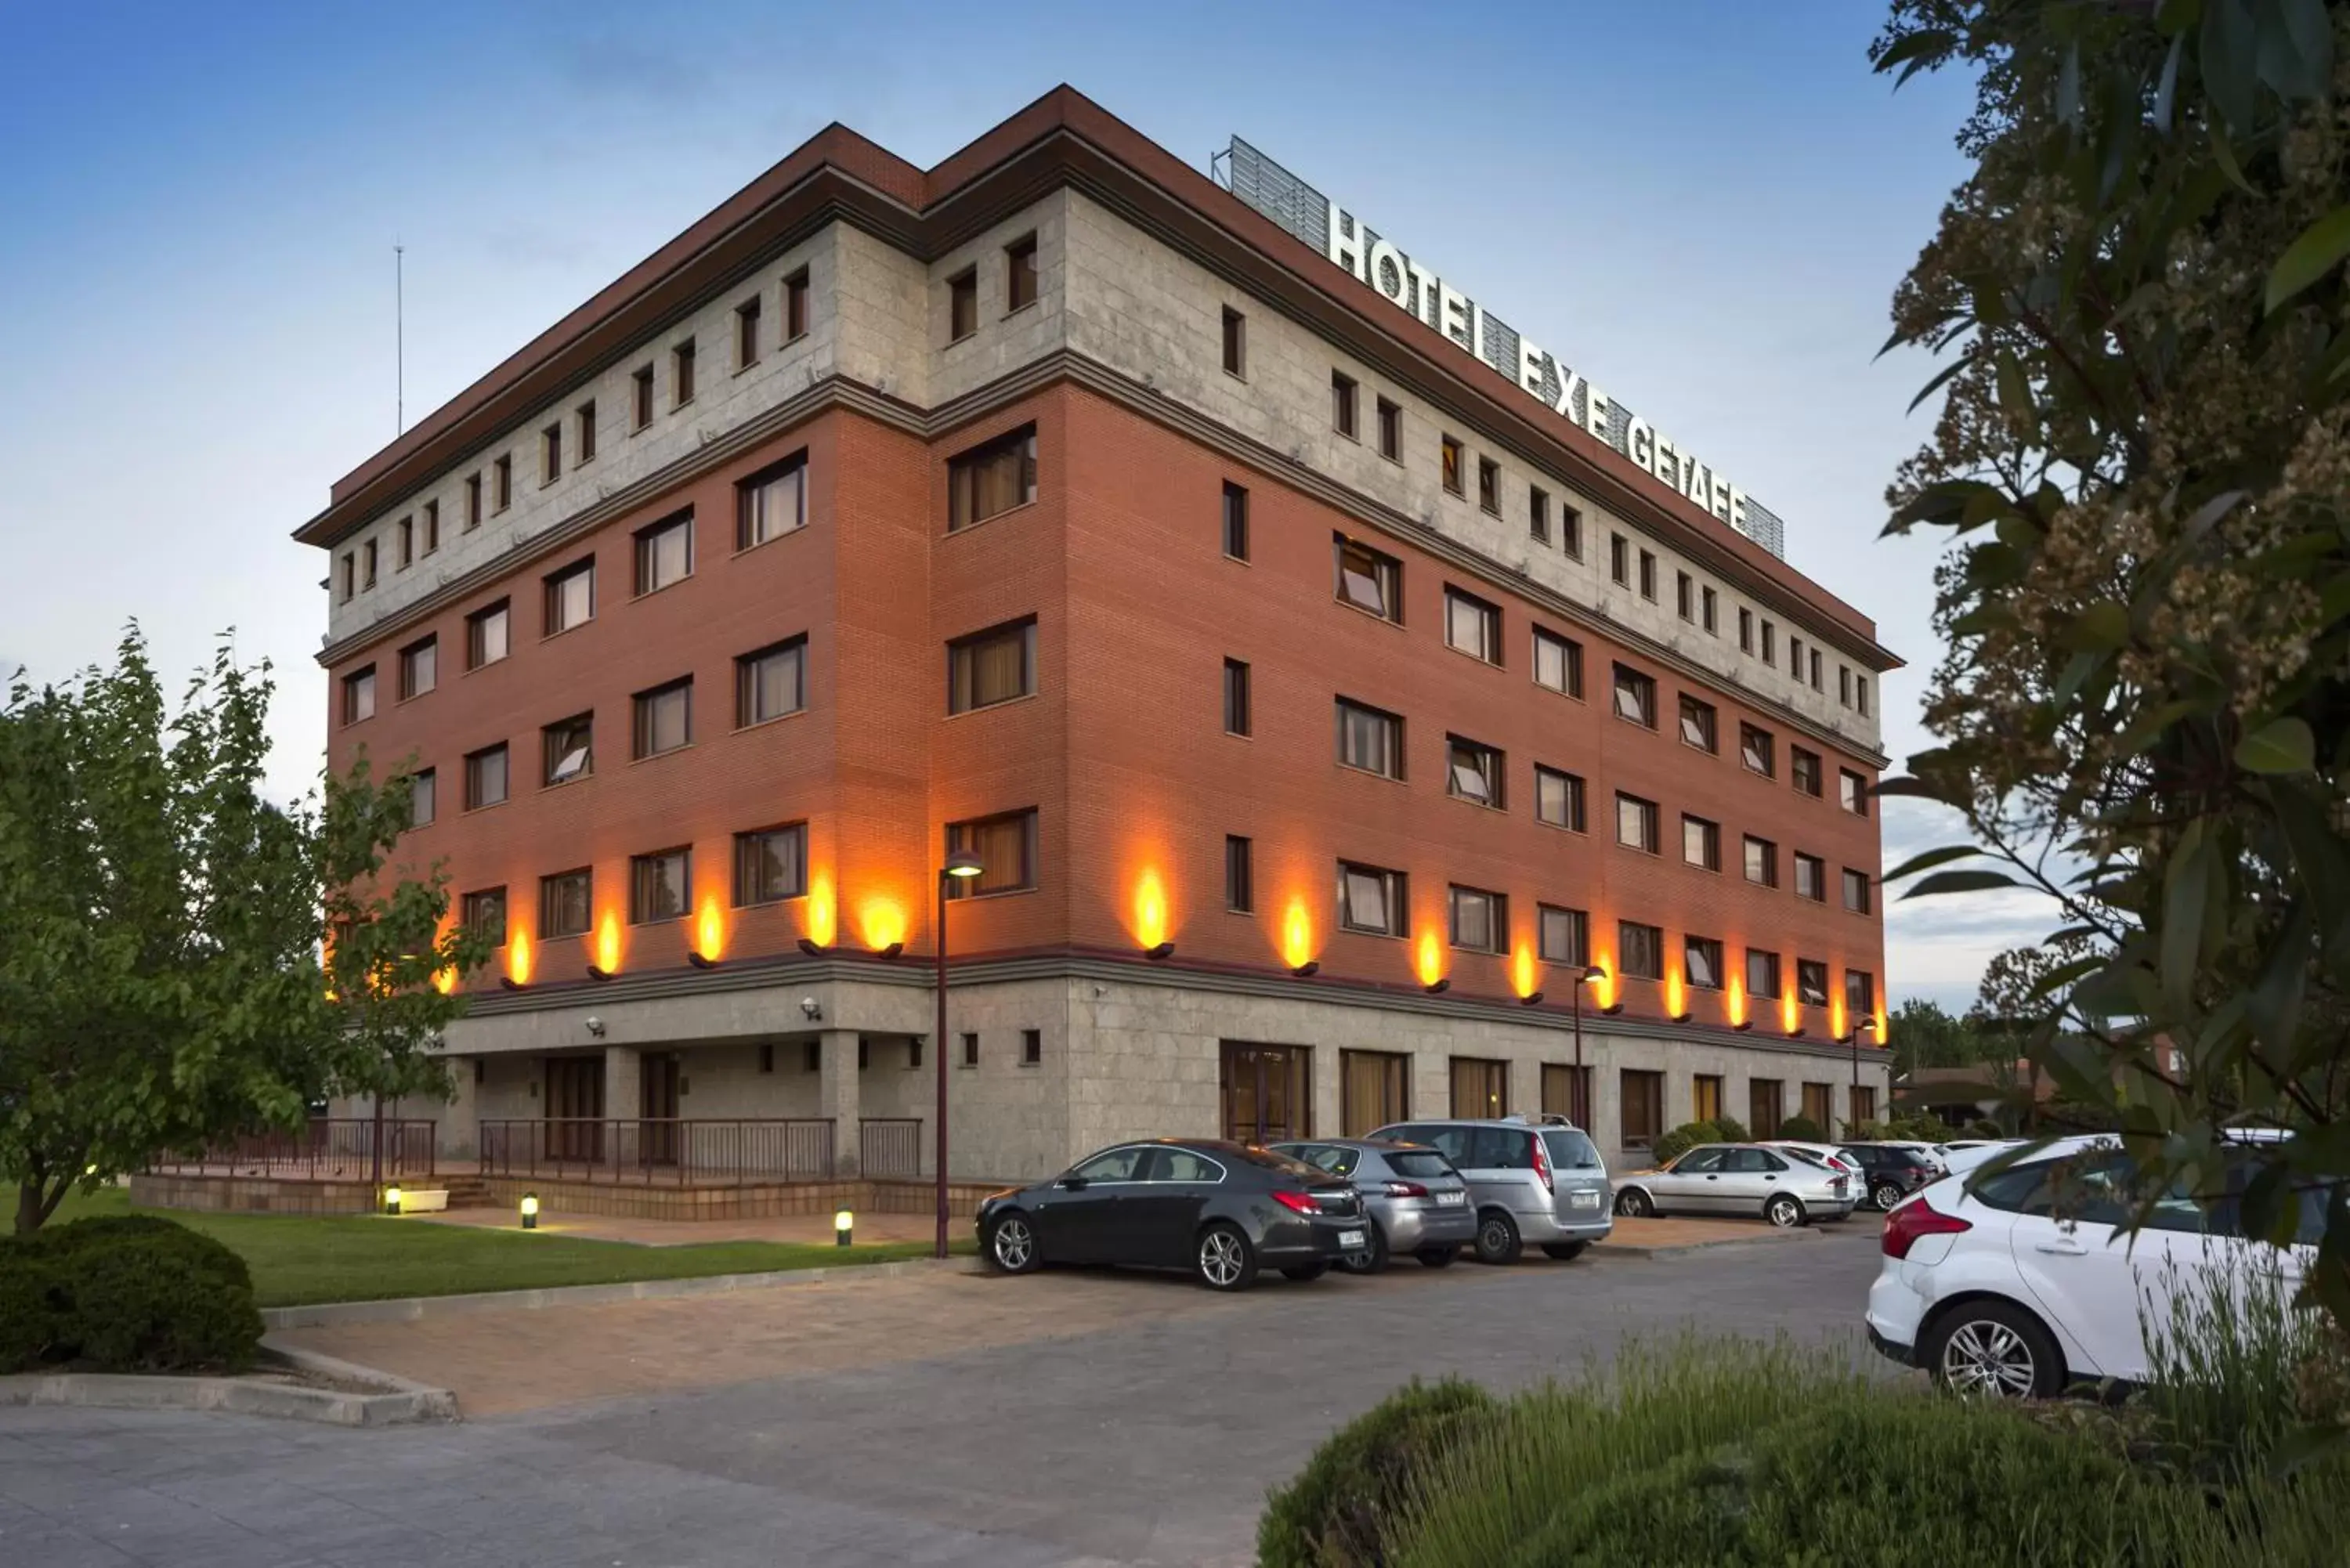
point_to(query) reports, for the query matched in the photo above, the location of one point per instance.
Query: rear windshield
(1418, 1162)
(1267, 1160)
(1570, 1149)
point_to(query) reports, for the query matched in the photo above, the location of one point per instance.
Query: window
(486, 636)
(1369, 580)
(1374, 1090)
(746, 333)
(1020, 274)
(963, 305)
(1236, 523)
(1570, 531)
(1761, 862)
(566, 902)
(1746, 630)
(991, 478)
(971, 1050)
(1236, 698)
(1860, 694)
(1239, 874)
(1565, 936)
(1770, 633)
(1819, 1105)
(486, 777)
(1811, 982)
(1644, 1107)
(1390, 431)
(1700, 842)
(1455, 481)
(642, 397)
(1864, 1104)
(1702, 963)
(1472, 626)
(366, 555)
(665, 554)
(1473, 771)
(1006, 847)
(423, 793)
(1811, 878)
(1480, 1088)
(1635, 822)
(1803, 768)
(1032, 1047)
(771, 682)
(1855, 890)
(567, 748)
(1758, 750)
(1489, 485)
(420, 667)
(358, 695)
(350, 575)
(1705, 1097)
(484, 914)
(1685, 595)
(473, 502)
(432, 526)
(770, 865)
(501, 472)
(1796, 656)
(993, 666)
(1342, 404)
(1698, 726)
(1852, 792)
(1709, 611)
(681, 359)
(1640, 950)
(1762, 973)
(1559, 798)
(1767, 1100)
(1649, 576)
(571, 597)
(1235, 343)
(584, 418)
(404, 547)
(795, 306)
(1371, 900)
(1816, 669)
(772, 502)
(1859, 995)
(1480, 920)
(1844, 684)
(1636, 696)
(661, 886)
(664, 718)
(1370, 740)
(550, 455)
(1558, 663)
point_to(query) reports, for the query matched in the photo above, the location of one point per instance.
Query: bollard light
(844, 1226)
(392, 1200)
(530, 1210)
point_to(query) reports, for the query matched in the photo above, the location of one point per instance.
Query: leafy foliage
(1688, 1135)
(130, 1294)
(1331, 1515)
(1802, 1129)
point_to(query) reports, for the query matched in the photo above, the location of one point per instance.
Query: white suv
(2025, 1284)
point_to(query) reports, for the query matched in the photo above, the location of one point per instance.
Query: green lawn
(295, 1259)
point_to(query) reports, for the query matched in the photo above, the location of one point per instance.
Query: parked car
(1546, 1184)
(1891, 1171)
(1776, 1183)
(1933, 1154)
(1833, 1157)
(1416, 1202)
(1221, 1209)
(2023, 1284)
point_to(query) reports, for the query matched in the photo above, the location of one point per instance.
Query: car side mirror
(1074, 1183)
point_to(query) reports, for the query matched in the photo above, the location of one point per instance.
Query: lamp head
(963, 865)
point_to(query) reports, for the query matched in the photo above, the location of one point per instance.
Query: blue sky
(1703, 203)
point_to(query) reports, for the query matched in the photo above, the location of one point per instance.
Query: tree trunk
(30, 1211)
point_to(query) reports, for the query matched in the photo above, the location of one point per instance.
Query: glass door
(1267, 1092)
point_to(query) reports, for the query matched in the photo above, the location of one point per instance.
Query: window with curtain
(1006, 846)
(991, 478)
(991, 667)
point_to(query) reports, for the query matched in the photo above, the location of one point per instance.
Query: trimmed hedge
(125, 1294)
(1688, 1135)
(1802, 1129)
(1333, 1514)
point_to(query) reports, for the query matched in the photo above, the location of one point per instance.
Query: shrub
(1688, 1135)
(1331, 1516)
(126, 1294)
(1802, 1129)
(1730, 1129)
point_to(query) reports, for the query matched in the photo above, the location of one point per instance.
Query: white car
(1834, 1159)
(1934, 1154)
(2026, 1285)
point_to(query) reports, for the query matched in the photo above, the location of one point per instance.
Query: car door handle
(2062, 1246)
(1713, 1178)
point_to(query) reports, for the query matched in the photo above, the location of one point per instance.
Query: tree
(162, 978)
(2142, 458)
(1925, 1036)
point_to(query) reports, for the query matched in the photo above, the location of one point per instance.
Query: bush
(1332, 1515)
(1688, 1135)
(125, 1294)
(1802, 1129)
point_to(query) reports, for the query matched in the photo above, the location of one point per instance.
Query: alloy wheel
(1220, 1259)
(1014, 1244)
(1986, 1357)
(1784, 1212)
(1888, 1195)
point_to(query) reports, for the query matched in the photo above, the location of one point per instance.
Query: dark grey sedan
(1417, 1202)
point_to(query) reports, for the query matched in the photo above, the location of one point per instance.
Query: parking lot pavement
(1063, 1418)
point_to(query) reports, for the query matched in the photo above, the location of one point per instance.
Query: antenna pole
(399, 338)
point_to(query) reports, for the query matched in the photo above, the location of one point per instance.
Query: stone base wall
(252, 1195)
(263, 1195)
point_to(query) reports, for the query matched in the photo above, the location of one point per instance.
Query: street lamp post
(1852, 1103)
(961, 864)
(1582, 1085)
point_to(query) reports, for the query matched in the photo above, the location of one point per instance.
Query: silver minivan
(1546, 1184)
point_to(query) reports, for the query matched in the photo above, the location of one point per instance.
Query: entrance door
(574, 1107)
(657, 1134)
(1267, 1092)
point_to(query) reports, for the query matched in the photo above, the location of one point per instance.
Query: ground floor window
(1374, 1090)
(1566, 1092)
(1819, 1105)
(1644, 1107)
(1480, 1088)
(1863, 1102)
(1705, 1098)
(1268, 1092)
(1767, 1100)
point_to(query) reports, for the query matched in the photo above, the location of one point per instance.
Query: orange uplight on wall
(1150, 920)
(1836, 1023)
(519, 955)
(1606, 990)
(823, 910)
(880, 921)
(1880, 1028)
(1296, 934)
(1427, 956)
(1734, 1000)
(444, 980)
(1524, 974)
(1791, 1013)
(710, 929)
(608, 943)
(1676, 995)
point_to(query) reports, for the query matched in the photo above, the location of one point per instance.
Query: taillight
(1915, 1220)
(1541, 1165)
(1304, 1203)
(1406, 1189)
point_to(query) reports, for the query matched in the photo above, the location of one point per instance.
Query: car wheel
(1993, 1348)
(1886, 1195)
(1224, 1259)
(1303, 1272)
(1437, 1257)
(1369, 1262)
(1497, 1238)
(1635, 1203)
(1785, 1211)
(1011, 1244)
(1565, 1251)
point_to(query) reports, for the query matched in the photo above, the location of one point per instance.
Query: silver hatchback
(1546, 1184)
(1417, 1203)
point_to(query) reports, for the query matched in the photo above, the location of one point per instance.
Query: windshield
(1571, 1148)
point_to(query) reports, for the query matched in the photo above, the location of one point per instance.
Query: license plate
(1451, 1200)
(1350, 1238)
(1583, 1200)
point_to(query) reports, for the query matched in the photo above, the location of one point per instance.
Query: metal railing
(889, 1145)
(329, 1148)
(651, 1151)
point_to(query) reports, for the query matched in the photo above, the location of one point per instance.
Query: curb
(400, 1402)
(410, 1309)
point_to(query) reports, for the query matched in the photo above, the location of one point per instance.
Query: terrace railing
(655, 1151)
(889, 1147)
(329, 1149)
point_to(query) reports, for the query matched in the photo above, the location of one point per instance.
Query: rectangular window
(571, 597)
(1538, 514)
(1767, 1100)
(1558, 663)
(1370, 740)
(1746, 630)
(1559, 798)
(1368, 579)
(1489, 485)
(567, 748)
(1566, 1092)
(664, 553)
(991, 478)
(770, 865)
(1239, 874)
(486, 777)
(1816, 669)
(431, 526)
(1811, 982)
(1390, 431)
(795, 306)
(1762, 974)
(1006, 846)
(971, 1050)
(1455, 481)
(1705, 1097)
(368, 558)
(1685, 595)
(420, 668)
(1640, 950)
(1480, 920)
(583, 419)
(1852, 792)
(1864, 1104)
(661, 885)
(1635, 822)
(1565, 936)
(1702, 963)
(1758, 750)
(1636, 696)
(1700, 842)
(1342, 404)
(1803, 768)
(771, 503)
(1236, 522)
(423, 791)
(1698, 728)
(681, 360)
(1473, 771)
(1855, 890)
(484, 914)
(746, 333)
(550, 455)
(1372, 899)
(664, 718)
(567, 903)
(993, 666)
(1020, 274)
(1761, 862)
(1644, 1108)
(1770, 634)
(1709, 610)
(404, 543)
(1235, 343)
(501, 472)
(473, 502)
(1844, 684)
(642, 398)
(486, 641)
(1811, 878)
(1859, 996)
(1860, 694)
(1570, 531)
(1472, 626)
(1819, 1105)
(1236, 698)
(1374, 1090)
(1032, 1047)
(350, 575)
(1480, 1088)
(358, 695)
(1649, 576)
(963, 305)
(771, 682)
